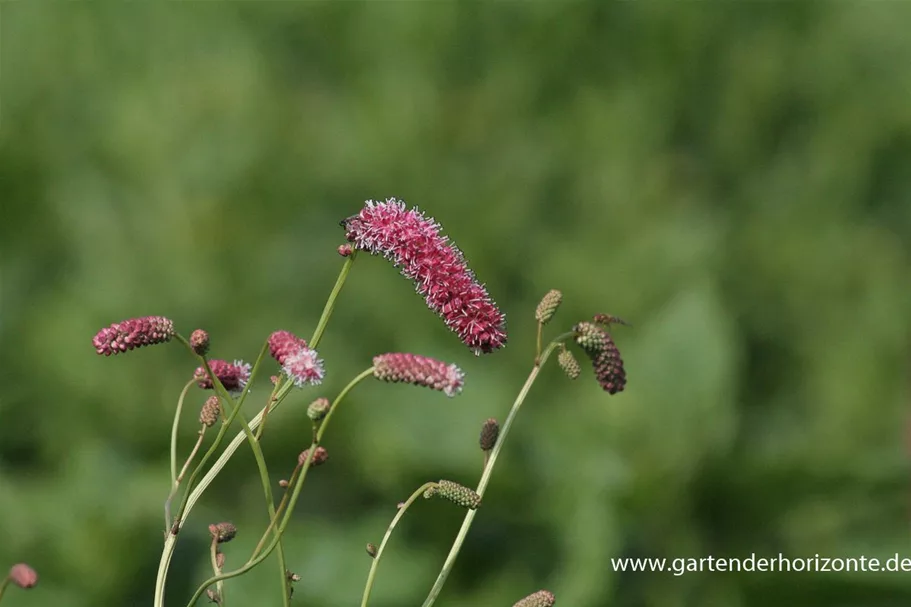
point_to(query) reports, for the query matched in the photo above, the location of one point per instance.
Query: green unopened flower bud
(318, 409)
(569, 364)
(542, 598)
(209, 413)
(455, 493)
(548, 306)
(590, 336)
(490, 431)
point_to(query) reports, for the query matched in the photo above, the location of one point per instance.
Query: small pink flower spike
(134, 333)
(304, 367)
(414, 244)
(420, 371)
(283, 343)
(233, 376)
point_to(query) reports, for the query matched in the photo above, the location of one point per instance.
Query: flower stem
(213, 554)
(379, 553)
(174, 426)
(257, 559)
(193, 496)
(183, 471)
(3, 586)
(488, 470)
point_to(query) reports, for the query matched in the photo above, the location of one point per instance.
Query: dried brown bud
(292, 577)
(210, 410)
(213, 596)
(199, 341)
(371, 550)
(283, 484)
(318, 409)
(220, 560)
(542, 598)
(223, 532)
(319, 456)
(455, 493)
(548, 306)
(569, 364)
(23, 576)
(490, 431)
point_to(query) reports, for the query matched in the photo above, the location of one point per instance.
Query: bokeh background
(732, 178)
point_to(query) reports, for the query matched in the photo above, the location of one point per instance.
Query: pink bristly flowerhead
(233, 376)
(23, 576)
(283, 343)
(304, 367)
(134, 333)
(420, 371)
(414, 244)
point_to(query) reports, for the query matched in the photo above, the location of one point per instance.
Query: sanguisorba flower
(414, 244)
(420, 371)
(133, 333)
(233, 376)
(604, 354)
(299, 362)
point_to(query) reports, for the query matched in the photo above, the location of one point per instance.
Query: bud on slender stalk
(223, 532)
(542, 598)
(23, 576)
(420, 371)
(604, 354)
(210, 410)
(199, 341)
(490, 431)
(318, 409)
(134, 333)
(569, 364)
(548, 306)
(319, 457)
(345, 250)
(455, 493)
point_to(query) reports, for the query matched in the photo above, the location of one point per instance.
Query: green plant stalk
(213, 555)
(260, 464)
(193, 496)
(171, 537)
(174, 426)
(175, 480)
(3, 586)
(257, 559)
(371, 577)
(183, 471)
(488, 470)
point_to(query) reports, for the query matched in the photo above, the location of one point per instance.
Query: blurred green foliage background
(731, 178)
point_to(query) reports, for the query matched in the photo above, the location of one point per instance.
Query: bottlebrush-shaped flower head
(604, 354)
(455, 493)
(134, 333)
(541, 598)
(233, 376)
(199, 341)
(569, 364)
(319, 456)
(304, 367)
(223, 532)
(414, 244)
(548, 306)
(420, 371)
(208, 415)
(490, 432)
(283, 343)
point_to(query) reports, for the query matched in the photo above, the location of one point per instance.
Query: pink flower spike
(414, 244)
(133, 333)
(233, 376)
(283, 343)
(304, 367)
(420, 371)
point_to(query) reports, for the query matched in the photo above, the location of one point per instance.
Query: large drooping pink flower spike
(133, 333)
(414, 244)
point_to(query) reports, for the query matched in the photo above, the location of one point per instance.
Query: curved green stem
(3, 585)
(174, 426)
(193, 496)
(379, 553)
(257, 559)
(488, 470)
